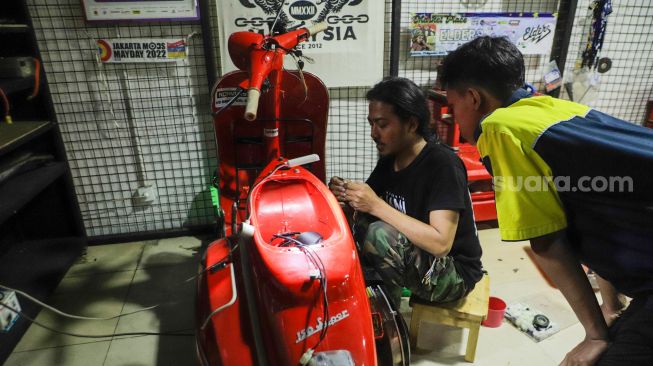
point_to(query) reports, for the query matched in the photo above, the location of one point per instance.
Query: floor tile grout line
(93, 273)
(141, 255)
(108, 339)
(124, 300)
(118, 338)
(83, 340)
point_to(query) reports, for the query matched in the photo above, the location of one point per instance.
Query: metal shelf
(19, 190)
(12, 85)
(14, 28)
(20, 132)
(41, 231)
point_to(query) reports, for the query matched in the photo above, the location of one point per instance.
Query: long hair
(407, 100)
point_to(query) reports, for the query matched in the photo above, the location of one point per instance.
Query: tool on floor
(531, 321)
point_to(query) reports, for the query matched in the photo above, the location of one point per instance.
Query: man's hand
(436, 237)
(586, 353)
(337, 187)
(361, 197)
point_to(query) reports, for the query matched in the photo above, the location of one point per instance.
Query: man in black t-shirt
(425, 238)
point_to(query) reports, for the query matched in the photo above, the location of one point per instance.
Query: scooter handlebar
(317, 28)
(287, 40)
(307, 159)
(252, 104)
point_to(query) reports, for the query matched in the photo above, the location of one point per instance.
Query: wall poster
(348, 53)
(434, 34)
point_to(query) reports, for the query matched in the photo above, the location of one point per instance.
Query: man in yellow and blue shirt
(576, 182)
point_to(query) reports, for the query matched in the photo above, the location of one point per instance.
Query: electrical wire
(7, 106)
(94, 335)
(325, 304)
(57, 311)
(221, 263)
(301, 75)
(37, 78)
(317, 262)
(276, 18)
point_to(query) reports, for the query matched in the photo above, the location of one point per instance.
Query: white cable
(234, 296)
(93, 335)
(57, 311)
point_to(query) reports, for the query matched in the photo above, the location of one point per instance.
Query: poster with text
(128, 50)
(348, 53)
(438, 34)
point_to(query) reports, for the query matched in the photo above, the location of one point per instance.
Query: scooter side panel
(225, 340)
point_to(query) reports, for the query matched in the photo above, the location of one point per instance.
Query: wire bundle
(315, 259)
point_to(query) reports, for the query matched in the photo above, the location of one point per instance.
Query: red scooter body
(289, 119)
(288, 300)
(241, 143)
(261, 299)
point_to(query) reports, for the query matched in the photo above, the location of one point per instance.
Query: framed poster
(140, 10)
(434, 34)
(348, 53)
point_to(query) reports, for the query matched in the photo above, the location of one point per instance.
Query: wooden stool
(467, 312)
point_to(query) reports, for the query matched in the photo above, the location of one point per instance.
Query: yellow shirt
(527, 202)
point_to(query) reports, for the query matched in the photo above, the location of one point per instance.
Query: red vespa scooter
(285, 286)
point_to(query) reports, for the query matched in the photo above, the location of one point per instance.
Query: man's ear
(476, 98)
(413, 123)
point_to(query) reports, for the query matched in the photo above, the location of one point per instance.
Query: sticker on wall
(435, 34)
(127, 50)
(348, 53)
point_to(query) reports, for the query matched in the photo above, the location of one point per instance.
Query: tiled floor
(121, 278)
(118, 279)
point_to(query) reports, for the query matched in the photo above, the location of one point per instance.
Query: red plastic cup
(496, 309)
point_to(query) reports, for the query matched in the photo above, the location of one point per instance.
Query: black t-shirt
(435, 180)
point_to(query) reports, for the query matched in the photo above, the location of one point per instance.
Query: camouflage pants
(401, 264)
